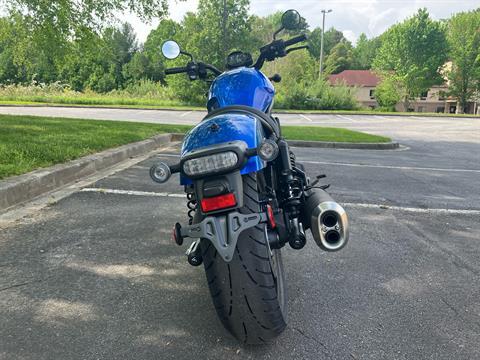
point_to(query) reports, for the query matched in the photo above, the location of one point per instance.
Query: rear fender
(222, 129)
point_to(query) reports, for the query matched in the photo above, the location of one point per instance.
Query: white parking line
(167, 155)
(414, 210)
(306, 117)
(133, 192)
(353, 205)
(389, 166)
(186, 113)
(347, 118)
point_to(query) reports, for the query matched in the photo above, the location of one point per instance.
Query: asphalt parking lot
(96, 276)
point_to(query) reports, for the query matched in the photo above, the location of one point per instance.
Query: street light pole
(321, 43)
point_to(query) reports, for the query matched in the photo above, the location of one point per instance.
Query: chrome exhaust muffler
(326, 219)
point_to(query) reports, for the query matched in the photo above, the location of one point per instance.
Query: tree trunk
(460, 107)
(406, 104)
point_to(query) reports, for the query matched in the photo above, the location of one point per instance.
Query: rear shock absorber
(293, 160)
(292, 201)
(191, 205)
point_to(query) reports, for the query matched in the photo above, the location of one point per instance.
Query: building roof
(355, 78)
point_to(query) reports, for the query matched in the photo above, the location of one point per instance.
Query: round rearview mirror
(291, 19)
(170, 49)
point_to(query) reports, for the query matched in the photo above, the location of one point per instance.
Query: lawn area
(317, 133)
(29, 142)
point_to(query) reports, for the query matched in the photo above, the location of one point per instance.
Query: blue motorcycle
(247, 195)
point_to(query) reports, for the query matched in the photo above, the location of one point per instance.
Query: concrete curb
(327, 144)
(343, 145)
(18, 189)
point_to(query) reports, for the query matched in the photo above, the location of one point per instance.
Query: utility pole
(224, 28)
(321, 43)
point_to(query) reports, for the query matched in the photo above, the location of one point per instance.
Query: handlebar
(295, 40)
(213, 69)
(194, 68)
(175, 70)
(276, 49)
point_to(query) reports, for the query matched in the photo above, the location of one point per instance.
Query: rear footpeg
(194, 255)
(327, 220)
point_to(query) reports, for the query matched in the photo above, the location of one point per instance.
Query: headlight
(210, 164)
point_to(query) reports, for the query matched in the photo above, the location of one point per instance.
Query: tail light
(220, 202)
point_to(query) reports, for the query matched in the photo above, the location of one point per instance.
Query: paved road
(95, 275)
(431, 129)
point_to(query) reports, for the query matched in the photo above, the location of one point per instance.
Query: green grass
(106, 104)
(29, 142)
(312, 133)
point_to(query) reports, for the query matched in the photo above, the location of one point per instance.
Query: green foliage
(364, 52)
(388, 93)
(463, 37)
(144, 93)
(64, 42)
(340, 58)
(414, 51)
(222, 29)
(65, 16)
(298, 91)
(331, 38)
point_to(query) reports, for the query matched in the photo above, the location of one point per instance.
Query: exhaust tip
(329, 219)
(332, 237)
(329, 225)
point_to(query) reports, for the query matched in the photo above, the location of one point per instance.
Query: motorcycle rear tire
(249, 292)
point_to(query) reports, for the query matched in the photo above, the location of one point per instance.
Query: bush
(318, 96)
(387, 93)
(298, 95)
(145, 92)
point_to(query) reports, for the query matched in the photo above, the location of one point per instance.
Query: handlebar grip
(296, 39)
(175, 70)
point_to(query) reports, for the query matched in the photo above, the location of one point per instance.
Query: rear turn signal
(219, 202)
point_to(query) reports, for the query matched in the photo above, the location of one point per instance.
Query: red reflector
(219, 202)
(271, 217)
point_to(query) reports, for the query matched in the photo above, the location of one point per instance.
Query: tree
(364, 52)
(340, 58)
(463, 37)
(87, 62)
(11, 34)
(225, 25)
(389, 92)
(142, 68)
(66, 16)
(121, 44)
(414, 51)
(331, 38)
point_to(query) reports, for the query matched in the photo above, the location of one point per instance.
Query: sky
(351, 17)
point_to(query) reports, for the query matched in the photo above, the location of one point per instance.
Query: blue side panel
(230, 127)
(242, 86)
